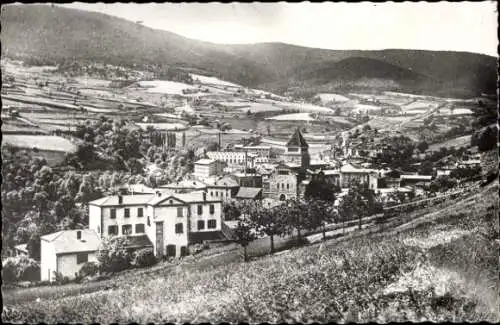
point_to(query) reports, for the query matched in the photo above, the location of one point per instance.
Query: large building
(171, 222)
(282, 184)
(234, 158)
(206, 168)
(260, 151)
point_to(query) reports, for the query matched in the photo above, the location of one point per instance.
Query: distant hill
(54, 34)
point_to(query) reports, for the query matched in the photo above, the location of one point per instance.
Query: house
(249, 193)
(407, 180)
(206, 168)
(224, 188)
(171, 222)
(261, 151)
(350, 174)
(234, 158)
(21, 249)
(248, 179)
(184, 186)
(65, 252)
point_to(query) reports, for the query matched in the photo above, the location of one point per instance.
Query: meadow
(443, 268)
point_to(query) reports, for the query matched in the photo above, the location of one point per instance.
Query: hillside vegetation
(46, 34)
(444, 268)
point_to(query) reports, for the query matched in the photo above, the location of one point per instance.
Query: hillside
(443, 267)
(54, 34)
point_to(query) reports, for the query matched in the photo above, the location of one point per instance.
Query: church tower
(297, 150)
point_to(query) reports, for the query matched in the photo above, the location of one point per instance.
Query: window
(82, 258)
(126, 229)
(113, 230)
(201, 224)
(211, 193)
(282, 185)
(79, 234)
(212, 209)
(127, 213)
(287, 186)
(216, 193)
(140, 212)
(113, 214)
(179, 212)
(200, 209)
(212, 223)
(179, 228)
(278, 186)
(139, 228)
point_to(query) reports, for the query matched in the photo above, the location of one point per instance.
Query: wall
(95, 219)
(66, 263)
(205, 216)
(121, 220)
(48, 261)
(168, 215)
(274, 192)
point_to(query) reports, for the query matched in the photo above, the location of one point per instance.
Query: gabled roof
(297, 140)
(349, 168)
(248, 192)
(66, 241)
(204, 161)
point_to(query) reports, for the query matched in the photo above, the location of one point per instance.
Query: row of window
(221, 193)
(283, 186)
(126, 229)
(140, 211)
(140, 229)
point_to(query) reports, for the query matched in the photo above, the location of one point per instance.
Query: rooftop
(204, 161)
(419, 177)
(297, 140)
(66, 241)
(248, 192)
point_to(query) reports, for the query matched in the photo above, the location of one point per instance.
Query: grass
(449, 280)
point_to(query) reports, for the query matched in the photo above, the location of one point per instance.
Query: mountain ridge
(54, 34)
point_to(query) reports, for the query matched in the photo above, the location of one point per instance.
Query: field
(442, 268)
(455, 143)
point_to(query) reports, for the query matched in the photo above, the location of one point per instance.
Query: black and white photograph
(278, 162)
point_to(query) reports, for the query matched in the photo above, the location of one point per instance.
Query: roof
(349, 168)
(297, 140)
(204, 161)
(417, 177)
(141, 199)
(331, 172)
(137, 241)
(186, 184)
(66, 241)
(248, 192)
(22, 247)
(225, 182)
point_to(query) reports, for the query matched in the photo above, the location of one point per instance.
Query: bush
(60, 279)
(144, 257)
(20, 268)
(88, 269)
(113, 256)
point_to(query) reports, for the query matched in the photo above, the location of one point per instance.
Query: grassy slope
(331, 281)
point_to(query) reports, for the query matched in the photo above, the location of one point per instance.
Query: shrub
(113, 255)
(61, 279)
(20, 268)
(144, 257)
(88, 269)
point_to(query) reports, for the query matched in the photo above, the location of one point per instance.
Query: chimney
(78, 234)
(120, 199)
(158, 193)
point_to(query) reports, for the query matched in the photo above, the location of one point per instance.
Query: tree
(366, 128)
(113, 255)
(231, 210)
(358, 203)
(320, 214)
(244, 232)
(271, 222)
(422, 146)
(319, 189)
(487, 139)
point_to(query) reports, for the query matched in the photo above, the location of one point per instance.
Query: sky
(452, 26)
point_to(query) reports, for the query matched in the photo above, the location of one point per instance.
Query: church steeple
(298, 149)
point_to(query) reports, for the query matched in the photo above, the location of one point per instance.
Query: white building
(206, 168)
(171, 222)
(234, 158)
(261, 151)
(65, 252)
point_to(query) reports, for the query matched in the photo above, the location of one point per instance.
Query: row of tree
(296, 217)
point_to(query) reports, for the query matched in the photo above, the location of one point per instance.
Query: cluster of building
(174, 216)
